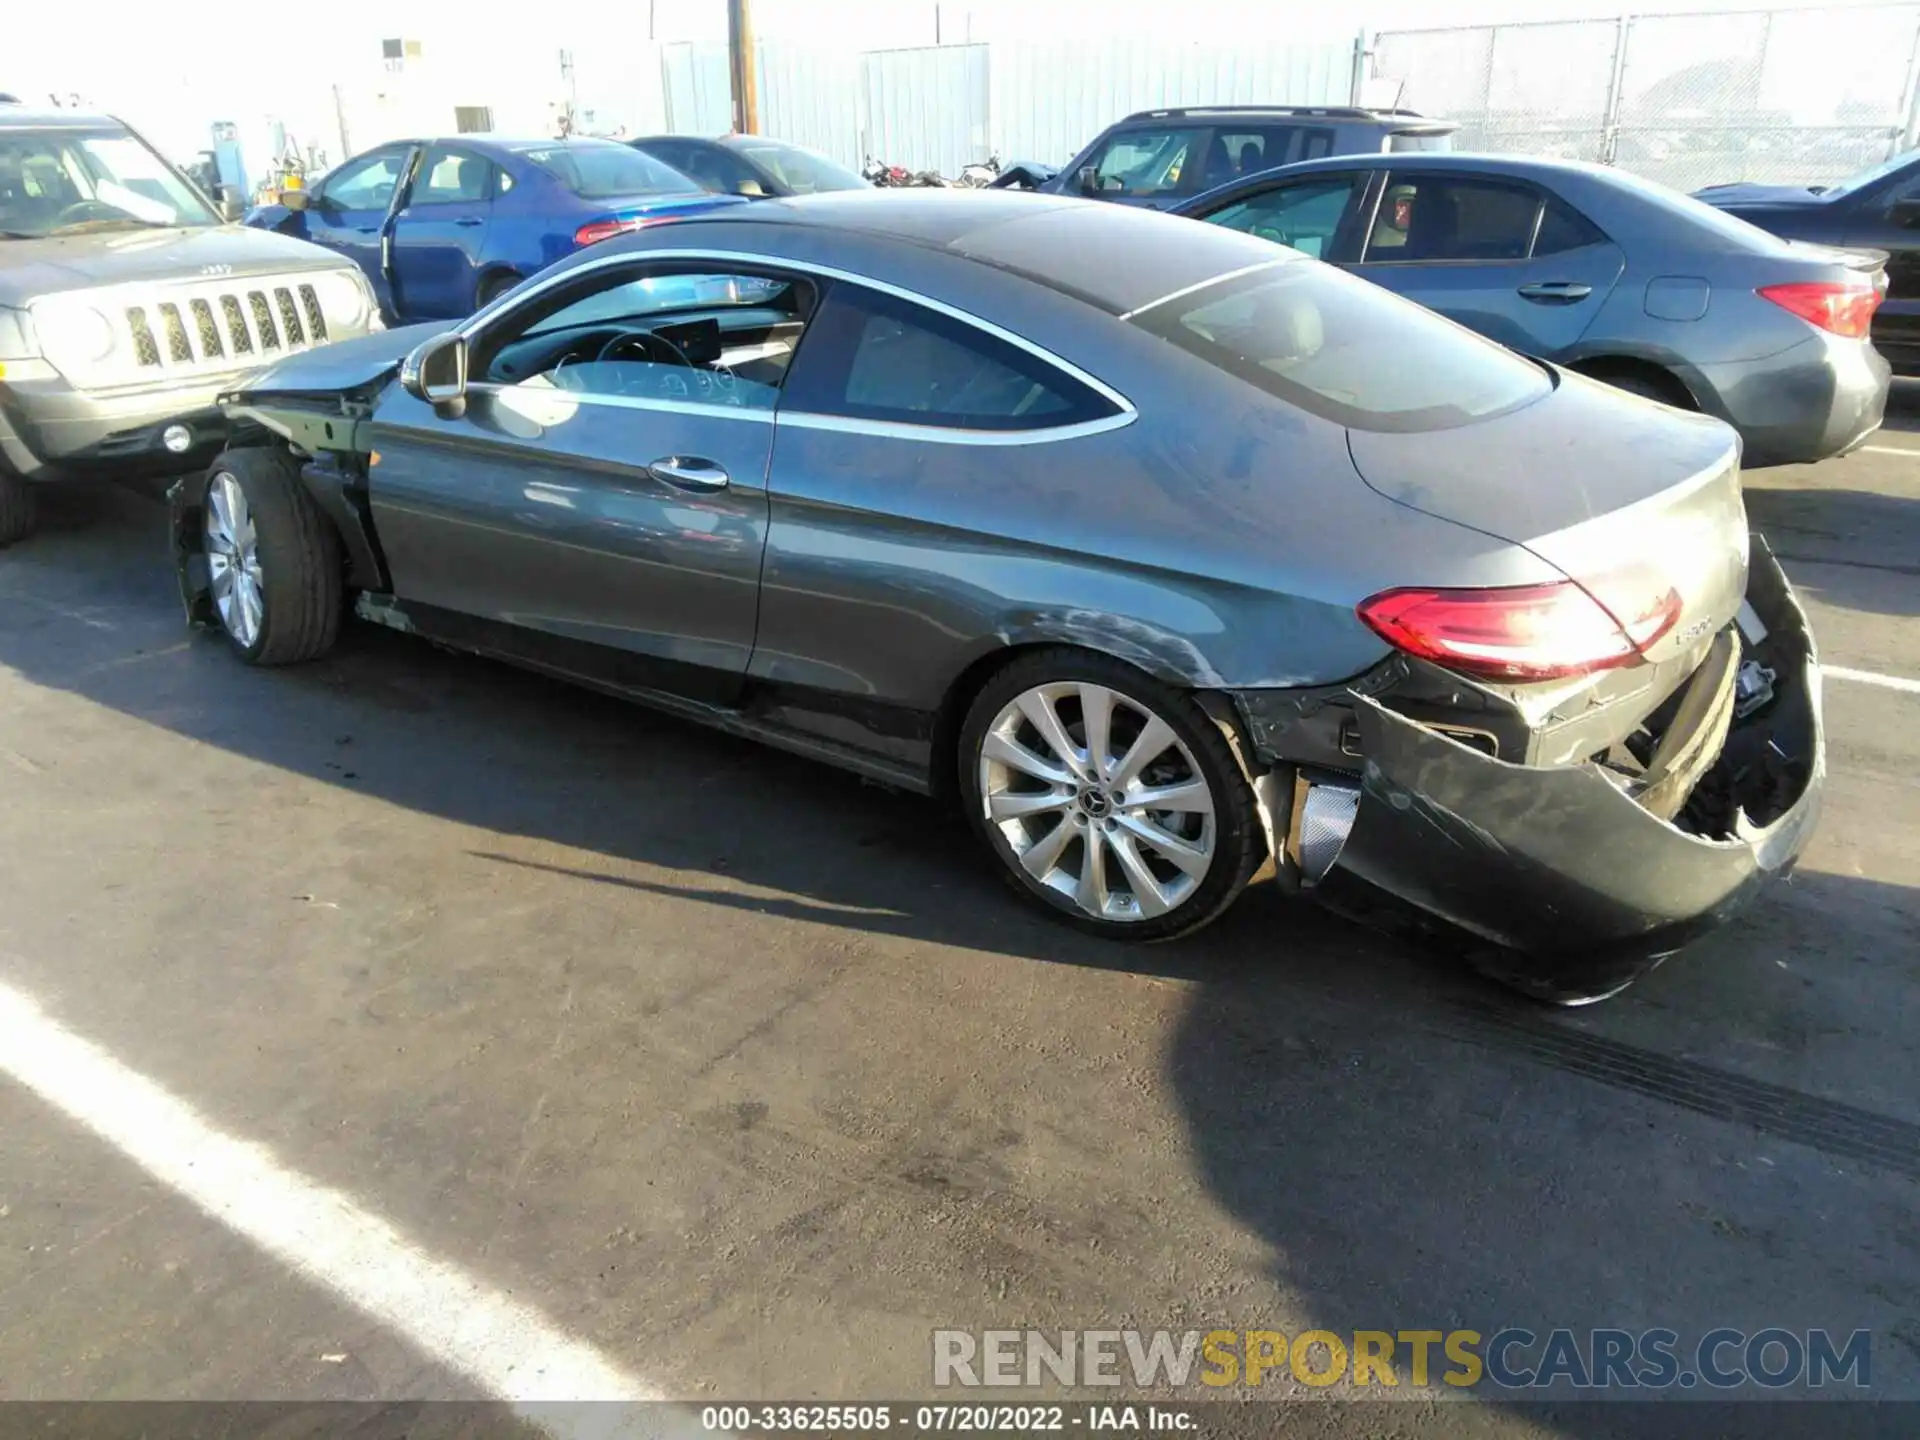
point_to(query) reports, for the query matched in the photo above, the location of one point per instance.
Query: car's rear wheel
(493, 287)
(273, 561)
(1646, 381)
(16, 508)
(1108, 797)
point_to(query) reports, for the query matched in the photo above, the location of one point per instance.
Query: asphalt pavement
(658, 1051)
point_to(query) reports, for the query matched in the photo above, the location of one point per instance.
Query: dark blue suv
(1161, 157)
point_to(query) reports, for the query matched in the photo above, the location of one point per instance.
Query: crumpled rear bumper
(1565, 883)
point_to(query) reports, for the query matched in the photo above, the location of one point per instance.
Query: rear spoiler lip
(1851, 256)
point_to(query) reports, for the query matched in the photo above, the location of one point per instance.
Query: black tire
(16, 508)
(300, 560)
(493, 287)
(1239, 838)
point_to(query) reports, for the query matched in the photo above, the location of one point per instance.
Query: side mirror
(296, 200)
(1905, 212)
(232, 207)
(436, 372)
(1088, 180)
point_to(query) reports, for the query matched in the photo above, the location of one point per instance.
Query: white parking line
(508, 1348)
(1870, 677)
(1911, 453)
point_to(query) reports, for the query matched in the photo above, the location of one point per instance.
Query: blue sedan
(443, 227)
(1602, 272)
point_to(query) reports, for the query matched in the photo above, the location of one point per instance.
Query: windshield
(801, 171)
(1867, 176)
(55, 182)
(595, 170)
(1346, 350)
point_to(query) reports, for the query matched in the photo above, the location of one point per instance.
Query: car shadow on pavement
(1413, 1149)
(1853, 548)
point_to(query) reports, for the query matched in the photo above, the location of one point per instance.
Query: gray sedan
(1599, 270)
(1169, 556)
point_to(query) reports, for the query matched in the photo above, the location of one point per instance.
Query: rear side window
(871, 356)
(1346, 350)
(1562, 228)
(596, 170)
(1444, 217)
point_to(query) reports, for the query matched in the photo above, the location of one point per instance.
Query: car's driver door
(600, 507)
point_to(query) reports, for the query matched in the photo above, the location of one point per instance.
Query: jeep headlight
(73, 335)
(345, 298)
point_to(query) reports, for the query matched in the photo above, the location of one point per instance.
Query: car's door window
(1148, 162)
(450, 176)
(872, 356)
(718, 337)
(1436, 218)
(1305, 215)
(365, 184)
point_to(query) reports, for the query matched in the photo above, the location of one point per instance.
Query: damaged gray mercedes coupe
(1171, 556)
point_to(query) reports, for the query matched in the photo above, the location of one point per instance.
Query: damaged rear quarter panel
(1560, 863)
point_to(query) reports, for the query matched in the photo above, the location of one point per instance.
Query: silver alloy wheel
(233, 560)
(1099, 800)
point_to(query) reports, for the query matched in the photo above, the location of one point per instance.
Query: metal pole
(340, 119)
(1610, 121)
(746, 103)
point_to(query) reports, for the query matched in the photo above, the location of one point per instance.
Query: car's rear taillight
(1842, 307)
(1521, 632)
(596, 231)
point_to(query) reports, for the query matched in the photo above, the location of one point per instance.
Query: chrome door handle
(688, 472)
(1563, 292)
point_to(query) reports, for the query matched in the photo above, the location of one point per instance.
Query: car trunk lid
(1635, 502)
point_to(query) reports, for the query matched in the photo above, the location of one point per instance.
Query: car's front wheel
(16, 508)
(1107, 796)
(274, 566)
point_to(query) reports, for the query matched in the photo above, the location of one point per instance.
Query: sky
(171, 61)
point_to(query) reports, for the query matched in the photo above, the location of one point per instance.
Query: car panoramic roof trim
(1207, 284)
(807, 267)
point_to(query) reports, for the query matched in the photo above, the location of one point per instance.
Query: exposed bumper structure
(1569, 884)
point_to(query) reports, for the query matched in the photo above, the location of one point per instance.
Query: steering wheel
(80, 212)
(715, 384)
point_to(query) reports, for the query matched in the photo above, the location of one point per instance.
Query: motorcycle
(876, 172)
(982, 175)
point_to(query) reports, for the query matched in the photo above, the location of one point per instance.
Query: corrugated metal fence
(945, 107)
(1782, 96)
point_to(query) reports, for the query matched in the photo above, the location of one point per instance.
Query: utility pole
(746, 106)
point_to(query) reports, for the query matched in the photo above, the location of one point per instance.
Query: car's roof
(1340, 114)
(1487, 164)
(483, 140)
(1115, 257)
(23, 117)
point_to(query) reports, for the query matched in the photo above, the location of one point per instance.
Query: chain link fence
(1782, 96)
